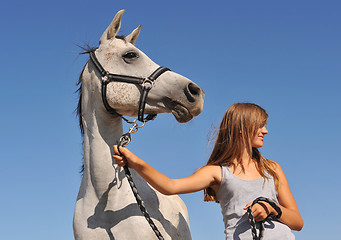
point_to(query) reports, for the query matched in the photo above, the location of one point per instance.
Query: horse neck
(102, 130)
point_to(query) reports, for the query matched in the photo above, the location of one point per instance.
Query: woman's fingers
(125, 152)
(247, 205)
(120, 161)
(123, 156)
(118, 157)
(259, 211)
(116, 150)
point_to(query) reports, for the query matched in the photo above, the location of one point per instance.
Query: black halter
(145, 83)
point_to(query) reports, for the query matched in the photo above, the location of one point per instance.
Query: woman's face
(257, 142)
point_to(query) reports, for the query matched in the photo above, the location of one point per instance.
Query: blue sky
(282, 55)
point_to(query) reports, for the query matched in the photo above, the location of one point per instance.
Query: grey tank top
(234, 193)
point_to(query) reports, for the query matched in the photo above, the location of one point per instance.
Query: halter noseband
(146, 84)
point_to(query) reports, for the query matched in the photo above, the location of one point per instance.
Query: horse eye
(130, 55)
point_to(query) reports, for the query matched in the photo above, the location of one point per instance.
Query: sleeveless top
(233, 195)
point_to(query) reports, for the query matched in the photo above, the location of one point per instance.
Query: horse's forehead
(115, 44)
(115, 49)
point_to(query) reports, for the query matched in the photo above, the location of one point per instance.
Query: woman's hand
(290, 214)
(123, 156)
(261, 210)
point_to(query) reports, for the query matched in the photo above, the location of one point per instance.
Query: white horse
(106, 207)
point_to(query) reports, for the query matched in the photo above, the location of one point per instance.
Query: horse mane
(78, 109)
(86, 50)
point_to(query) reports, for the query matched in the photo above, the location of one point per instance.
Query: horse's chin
(180, 112)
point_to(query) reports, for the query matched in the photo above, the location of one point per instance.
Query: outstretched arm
(201, 179)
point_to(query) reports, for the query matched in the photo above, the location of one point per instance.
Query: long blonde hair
(238, 127)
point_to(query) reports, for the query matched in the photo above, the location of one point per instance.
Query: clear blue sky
(282, 55)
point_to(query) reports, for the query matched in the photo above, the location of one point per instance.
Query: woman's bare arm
(290, 214)
(204, 177)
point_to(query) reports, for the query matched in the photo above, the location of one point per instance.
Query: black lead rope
(125, 139)
(270, 217)
(141, 204)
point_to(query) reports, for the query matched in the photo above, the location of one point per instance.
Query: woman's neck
(244, 161)
(245, 167)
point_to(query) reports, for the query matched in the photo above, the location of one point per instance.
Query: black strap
(147, 85)
(105, 101)
(157, 73)
(270, 217)
(110, 77)
(97, 64)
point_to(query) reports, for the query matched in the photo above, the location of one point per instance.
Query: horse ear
(133, 36)
(113, 28)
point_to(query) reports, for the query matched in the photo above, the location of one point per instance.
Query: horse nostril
(192, 91)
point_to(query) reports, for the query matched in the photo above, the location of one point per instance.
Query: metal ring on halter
(105, 78)
(149, 81)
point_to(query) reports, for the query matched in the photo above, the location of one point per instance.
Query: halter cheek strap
(145, 83)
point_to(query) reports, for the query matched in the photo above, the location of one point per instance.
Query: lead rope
(253, 225)
(125, 140)
(270, 217)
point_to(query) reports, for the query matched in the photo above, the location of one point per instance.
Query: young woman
(236, 174)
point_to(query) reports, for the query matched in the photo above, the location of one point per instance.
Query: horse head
(171, 92)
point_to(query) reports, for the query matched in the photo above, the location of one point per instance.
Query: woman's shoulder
(212, 170)
(277, 167)
(273, 163)
(210, 166)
